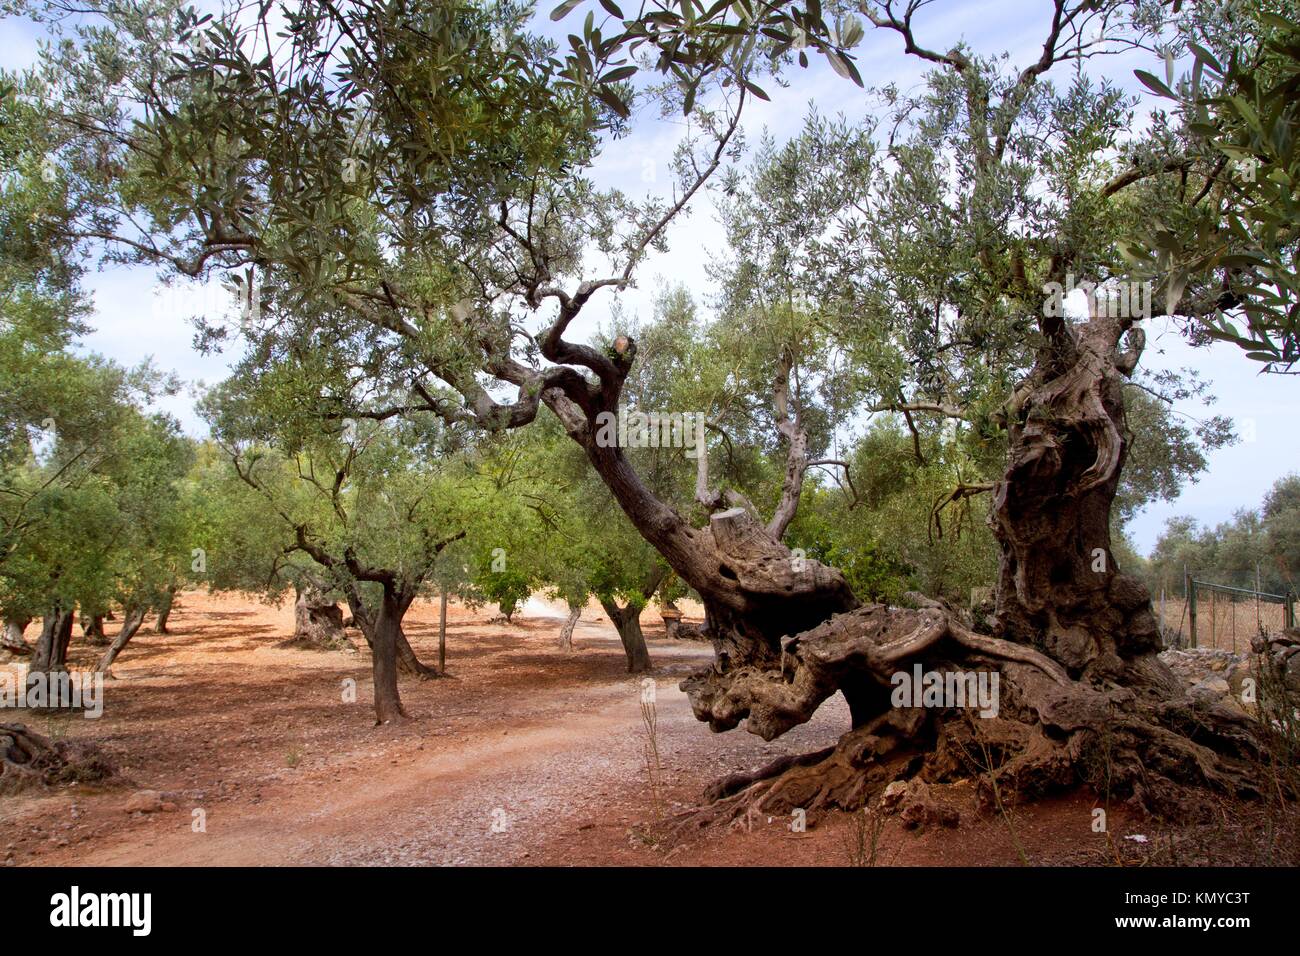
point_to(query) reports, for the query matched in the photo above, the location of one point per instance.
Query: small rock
(144, 801)
(893, 794)
(919, 810)
(1211, 688)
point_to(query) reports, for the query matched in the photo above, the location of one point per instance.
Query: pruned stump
(318, 622)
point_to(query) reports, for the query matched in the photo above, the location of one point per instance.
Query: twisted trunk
(566, 631)
(1076, 693)
(1059, 587)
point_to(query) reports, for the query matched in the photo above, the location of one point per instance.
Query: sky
(133, 320)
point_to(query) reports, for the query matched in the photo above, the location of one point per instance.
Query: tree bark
(165, 611)
(11, 639)
(628, 622)
(388, 627)
(92, 629)
(51, 652)
(566, 629)
(1059, 587)
(407, 662)
(131, 621)
(317, 620)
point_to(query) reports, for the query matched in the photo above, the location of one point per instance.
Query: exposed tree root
(410, 665)
(1140, 740)
(29, 760)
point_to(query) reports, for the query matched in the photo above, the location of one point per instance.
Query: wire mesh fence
(1210, 614)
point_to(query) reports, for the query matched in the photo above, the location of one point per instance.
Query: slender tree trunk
(131, 621)
(11, 639)
(388, 629)
(164, 611)
(566, 631)
(628, 622)
(442, 631)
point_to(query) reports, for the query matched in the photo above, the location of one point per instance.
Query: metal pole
(1213, 621)
(1259, 622)
(1189, 592)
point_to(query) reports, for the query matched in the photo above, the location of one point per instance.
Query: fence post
(1214, 621)
(1259, 617)
(1162, 616)
(1189, 588)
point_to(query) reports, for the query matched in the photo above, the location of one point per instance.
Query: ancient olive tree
(980, 336)
(439, 284)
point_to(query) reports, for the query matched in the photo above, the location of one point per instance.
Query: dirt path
(486, 801)
(524, 748)
(526, 755)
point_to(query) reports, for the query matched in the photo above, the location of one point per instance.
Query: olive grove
(408, 191)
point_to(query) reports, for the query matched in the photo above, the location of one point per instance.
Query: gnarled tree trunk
(92, 629)
(627, 620)
(318, 621)
(1058, 585)
(11, 638)
(1081, 696)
